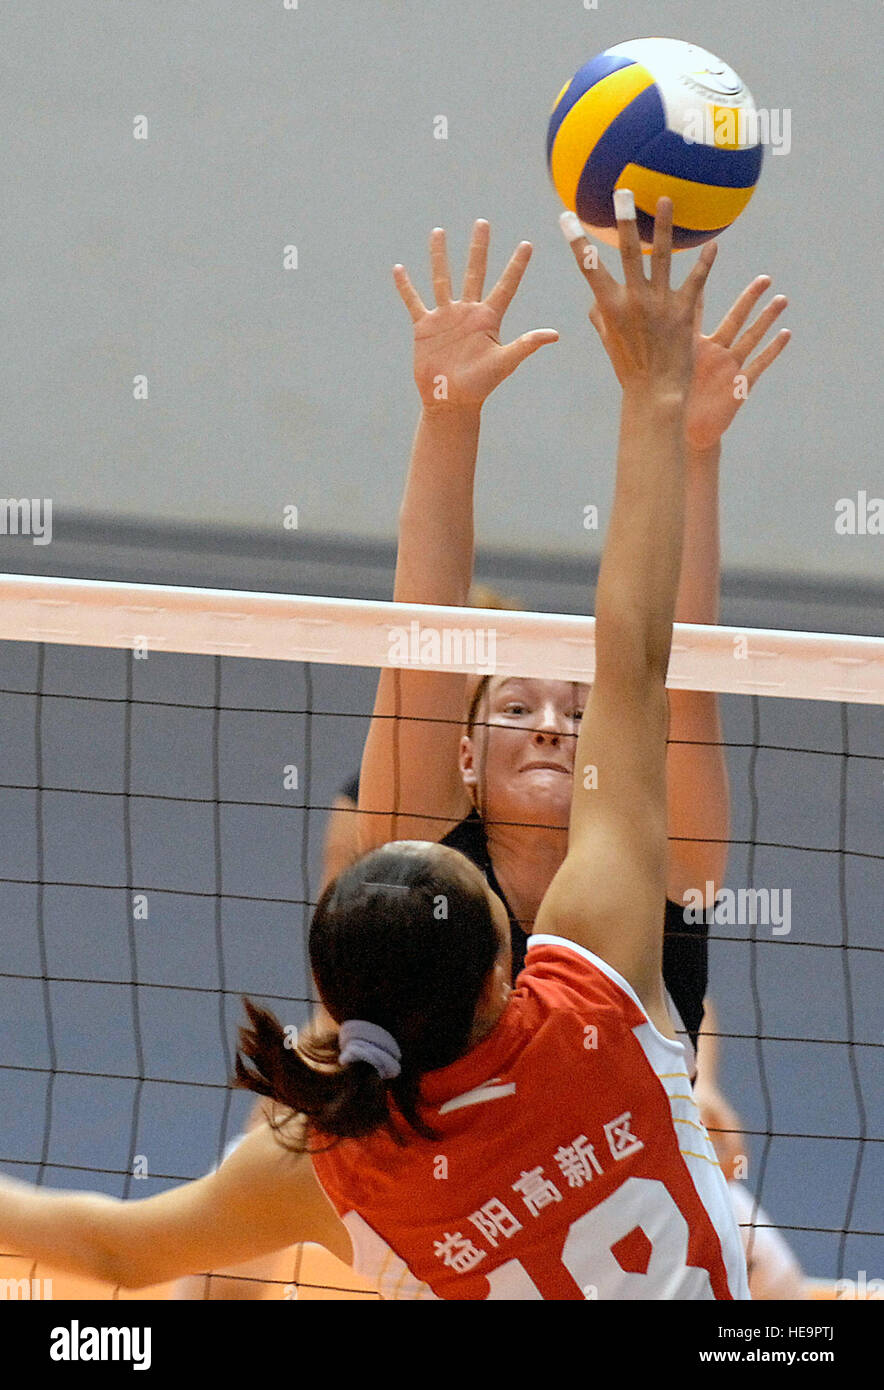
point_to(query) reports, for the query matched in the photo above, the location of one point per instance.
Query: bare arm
(698, 799)
(410, 786)
(698, 795)
(259, 1200)
(341, 845)
(608, 895)
(409, 764)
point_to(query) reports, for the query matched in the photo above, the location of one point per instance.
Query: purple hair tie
(360, 1041)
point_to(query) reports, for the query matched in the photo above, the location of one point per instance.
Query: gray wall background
(314, 127)
(267, 388)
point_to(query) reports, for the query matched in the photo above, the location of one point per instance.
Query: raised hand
(648, 329)
(722, 378)
(721, 381)
(458, 356)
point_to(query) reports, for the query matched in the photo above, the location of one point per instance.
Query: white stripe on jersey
(373, 1258)
(667, 1058)
(494, 1089)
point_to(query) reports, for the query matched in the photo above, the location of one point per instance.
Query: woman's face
(518, 762)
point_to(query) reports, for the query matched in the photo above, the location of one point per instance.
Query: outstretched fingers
(477, 263)
(439, 267)
(661, 253)
(737, 315)
(408, 294)
(629, 239)
(512, 354)
(764, 359)
(698, 313)
(600, 281)
(693, 286)
(501, 296)
(749, 340)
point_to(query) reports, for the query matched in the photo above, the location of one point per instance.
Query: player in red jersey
(507, 815)
(455, 1137)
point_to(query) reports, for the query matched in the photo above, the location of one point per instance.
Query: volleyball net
(171, 758)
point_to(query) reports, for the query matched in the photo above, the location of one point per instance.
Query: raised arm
(410, 786)
(609, 893)
(698, 799)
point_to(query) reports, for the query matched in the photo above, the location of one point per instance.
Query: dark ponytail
(404, 938)
(346, 1101)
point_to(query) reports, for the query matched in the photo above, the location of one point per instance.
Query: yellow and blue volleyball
(666, 119)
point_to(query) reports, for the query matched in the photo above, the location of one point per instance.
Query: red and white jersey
(572, 1162)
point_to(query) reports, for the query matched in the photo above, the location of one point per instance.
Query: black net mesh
(161, 847)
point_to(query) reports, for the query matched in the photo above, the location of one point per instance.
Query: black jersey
(351, 789)
(685, 944)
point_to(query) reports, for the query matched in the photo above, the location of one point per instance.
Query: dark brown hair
(404, 939)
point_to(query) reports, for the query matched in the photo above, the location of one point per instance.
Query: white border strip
(353, 632)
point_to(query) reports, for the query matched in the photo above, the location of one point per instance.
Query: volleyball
(665, 119)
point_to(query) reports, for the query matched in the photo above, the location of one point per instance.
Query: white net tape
(354, 632)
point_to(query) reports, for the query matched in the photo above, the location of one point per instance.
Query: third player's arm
(696, 771)
(725, 370)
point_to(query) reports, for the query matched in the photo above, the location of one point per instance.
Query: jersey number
(588, 1258)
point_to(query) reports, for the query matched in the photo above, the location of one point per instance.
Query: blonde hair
(483, 596)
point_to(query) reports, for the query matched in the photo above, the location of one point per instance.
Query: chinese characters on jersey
(577, 1162)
